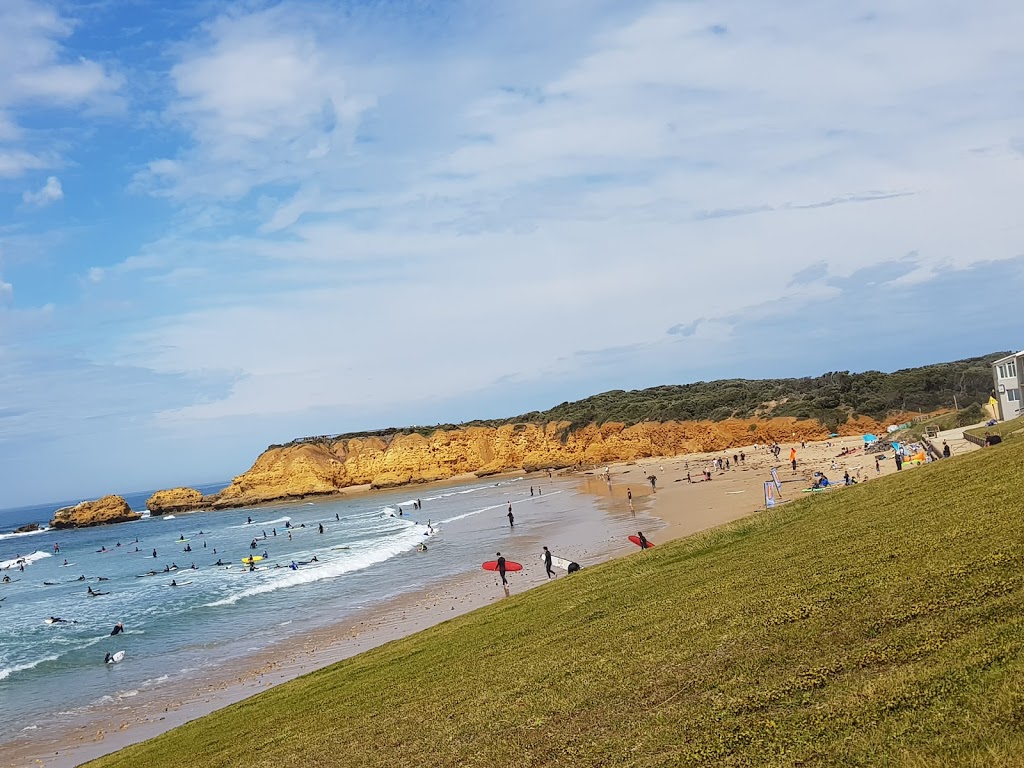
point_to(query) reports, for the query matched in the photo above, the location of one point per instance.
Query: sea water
(367, 553)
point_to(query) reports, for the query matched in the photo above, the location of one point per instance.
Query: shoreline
(681, 507)
(148, 713)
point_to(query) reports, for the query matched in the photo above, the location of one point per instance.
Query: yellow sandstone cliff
(328, 466)
(109, 509)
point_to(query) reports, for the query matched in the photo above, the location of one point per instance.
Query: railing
(975, 439)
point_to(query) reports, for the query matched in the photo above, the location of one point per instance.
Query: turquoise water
(50, 672)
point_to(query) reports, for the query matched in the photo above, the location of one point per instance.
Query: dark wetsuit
(643, 541)
(547, 563)
(501, 571)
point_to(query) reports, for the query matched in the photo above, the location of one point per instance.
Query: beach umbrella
(869, 438)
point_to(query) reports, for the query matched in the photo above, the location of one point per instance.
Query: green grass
(1006, 429)
(878, 625)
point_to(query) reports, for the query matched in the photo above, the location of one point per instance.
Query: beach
(672, 509)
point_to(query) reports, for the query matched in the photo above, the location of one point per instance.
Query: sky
(229, 224)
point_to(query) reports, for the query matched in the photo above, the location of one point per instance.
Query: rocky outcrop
(109, 509)
(326, 466)
(27, 528)
(175, 500)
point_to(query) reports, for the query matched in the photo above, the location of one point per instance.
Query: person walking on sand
(547, 563)
(643, 540)
(511, 517)
(501, 570)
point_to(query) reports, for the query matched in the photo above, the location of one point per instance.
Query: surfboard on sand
(636, 540)
(492, 565)
(558, 562)
(116, 657)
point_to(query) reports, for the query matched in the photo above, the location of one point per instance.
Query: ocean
(53, 673)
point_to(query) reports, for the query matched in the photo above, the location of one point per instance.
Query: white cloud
(51, 192)
(38, 72)
(427, 227)
(266, 98)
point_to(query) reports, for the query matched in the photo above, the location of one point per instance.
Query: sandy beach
(674, 508)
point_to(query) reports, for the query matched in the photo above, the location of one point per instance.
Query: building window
(1011, 369)
(1013, 395)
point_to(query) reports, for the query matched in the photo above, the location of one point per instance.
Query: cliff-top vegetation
(831, 399)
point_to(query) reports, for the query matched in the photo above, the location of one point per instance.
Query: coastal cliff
(109, 509)
(327, 466)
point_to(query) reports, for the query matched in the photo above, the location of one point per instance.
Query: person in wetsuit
(501, 570)
(643, 540)
(547, 563)
(118, 629)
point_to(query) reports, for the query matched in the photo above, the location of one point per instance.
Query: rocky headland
(109, 509)
(325, 466)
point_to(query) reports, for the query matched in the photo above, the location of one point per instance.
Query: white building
(1008, 377)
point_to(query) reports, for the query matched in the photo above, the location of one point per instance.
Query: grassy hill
(830, 398)
(872, 626)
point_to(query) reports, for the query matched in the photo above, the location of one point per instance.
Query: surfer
(248, 521)
(182, 537)
(81, 578)
(108, 658)
(294, 566)
(59, 620)
(118, 629)
(174, 583)
(501, 569)
(422, 547)
(219, 562)
(65, 561)
(6, 579)
(643, 540)
(154, 553)
(337, 517)
(320, 528)
(547, 563)
(56, 548)
(511, 517)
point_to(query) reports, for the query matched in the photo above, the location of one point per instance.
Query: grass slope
(877, 625)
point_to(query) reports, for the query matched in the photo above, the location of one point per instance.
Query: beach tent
(869, 438)
(834, 434)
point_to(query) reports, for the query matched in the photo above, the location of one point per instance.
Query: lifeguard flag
(992, 400)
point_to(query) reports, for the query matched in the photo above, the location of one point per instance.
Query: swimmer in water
(118, 629)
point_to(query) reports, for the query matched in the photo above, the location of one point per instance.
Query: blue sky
(227, 224)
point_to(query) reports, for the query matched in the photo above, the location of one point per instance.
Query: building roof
(1014, 356)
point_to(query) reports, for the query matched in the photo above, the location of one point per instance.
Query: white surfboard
(557, 562)
(116, 657)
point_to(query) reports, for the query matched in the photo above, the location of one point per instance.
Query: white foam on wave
(15, 534)
(8, 671)
(464, 515)
(168, 517)
(26, 559)
(474, 489)
(260, 523)
(404, 541)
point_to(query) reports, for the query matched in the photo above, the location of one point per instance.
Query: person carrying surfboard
(501, 568)
(547, 563)
(643, 540)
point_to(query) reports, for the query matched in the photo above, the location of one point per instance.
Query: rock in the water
(175, 500)
(27, 528)
(109, 509)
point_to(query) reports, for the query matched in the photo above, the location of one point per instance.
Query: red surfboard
(492, 565)
(636, 540)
